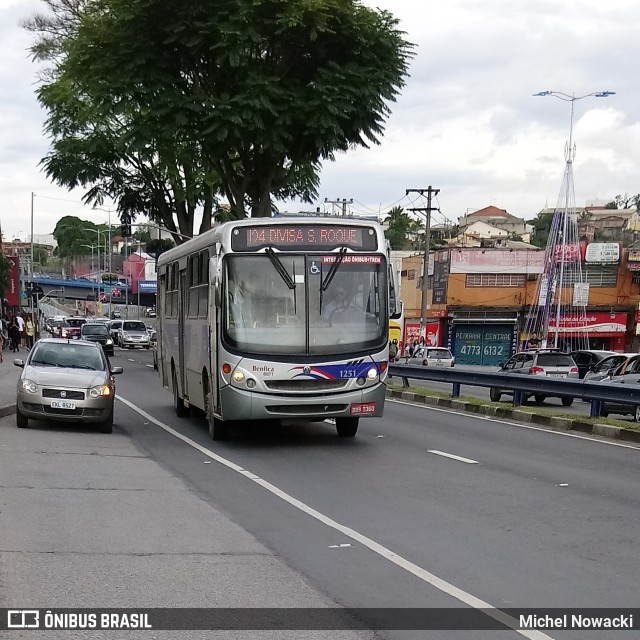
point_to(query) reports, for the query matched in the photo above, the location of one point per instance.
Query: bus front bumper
(240, 404)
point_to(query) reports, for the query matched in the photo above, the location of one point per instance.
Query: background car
(133, 333)
(538, 362)
(630, 380)
(114, 327)
(70, 327)
(69, 381)
(607, 367)
(97, 332)
(587, 359)
(433, 357)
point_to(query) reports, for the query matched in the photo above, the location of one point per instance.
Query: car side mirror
(115, 370)
(501, 365)
(19, 363)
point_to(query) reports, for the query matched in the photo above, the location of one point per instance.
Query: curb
(519, 415)
(7, 410)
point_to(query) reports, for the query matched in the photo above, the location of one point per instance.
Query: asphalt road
(424, 508)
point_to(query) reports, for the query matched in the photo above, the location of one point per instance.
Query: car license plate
(558, 375)
(62, 404)
(362, 408)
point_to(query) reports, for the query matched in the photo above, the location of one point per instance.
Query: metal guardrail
(593, 392)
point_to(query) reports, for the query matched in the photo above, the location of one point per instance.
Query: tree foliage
(541, 228)
(400, 224)
(165, 106)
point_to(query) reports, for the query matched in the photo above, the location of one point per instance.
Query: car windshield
(438, 353)
(94, 330)
(296, 304)
(555, 360)
(67, 355)
(134, 326)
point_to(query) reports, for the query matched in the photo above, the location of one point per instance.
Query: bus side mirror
(394, 303)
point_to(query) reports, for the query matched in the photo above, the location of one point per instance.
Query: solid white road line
(450, 455)
(414, 569)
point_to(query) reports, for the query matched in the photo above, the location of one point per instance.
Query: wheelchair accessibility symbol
(314, 269)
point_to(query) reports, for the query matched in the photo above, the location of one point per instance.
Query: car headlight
(125, 336)
(30, 386)
(109, 341)
(102, 390)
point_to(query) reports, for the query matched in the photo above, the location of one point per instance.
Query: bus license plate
(62, 404)
(363, 408)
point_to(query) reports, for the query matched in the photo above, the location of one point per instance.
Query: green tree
(164, 106)
(159, 246)
(400, 225)
(71, 233)
(541, 228)
(40, 255)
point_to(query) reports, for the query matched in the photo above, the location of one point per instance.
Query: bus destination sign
(303, 237)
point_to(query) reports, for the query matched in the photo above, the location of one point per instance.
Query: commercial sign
(567, 252)
(633, 260)
(440, 279)
(13, 288)
(602, 252)
(597, 323)
(147, 286)
(496, 261)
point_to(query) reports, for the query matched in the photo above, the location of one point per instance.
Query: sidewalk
(9, 375)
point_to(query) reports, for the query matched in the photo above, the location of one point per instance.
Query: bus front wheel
(347, 427)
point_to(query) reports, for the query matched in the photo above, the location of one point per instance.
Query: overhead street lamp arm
(568, 98)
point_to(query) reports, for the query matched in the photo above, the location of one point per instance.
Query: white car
(432, 357)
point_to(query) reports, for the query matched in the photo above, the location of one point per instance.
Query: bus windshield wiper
(279, 267)
(332, 272)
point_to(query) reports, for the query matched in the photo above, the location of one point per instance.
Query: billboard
(13, 288)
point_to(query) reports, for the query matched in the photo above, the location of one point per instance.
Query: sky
(465, 123)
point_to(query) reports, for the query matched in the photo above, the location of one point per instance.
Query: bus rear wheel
(347, 427)
(178, 403)
(218, 429)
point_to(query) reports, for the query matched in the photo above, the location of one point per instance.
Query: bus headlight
(238, 376)
(372, 373)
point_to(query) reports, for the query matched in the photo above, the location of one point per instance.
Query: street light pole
(562, 229)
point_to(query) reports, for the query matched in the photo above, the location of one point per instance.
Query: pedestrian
(29, 330)
(14, 335)
(20, 321)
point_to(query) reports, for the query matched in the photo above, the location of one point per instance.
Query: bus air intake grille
(307, 409)
(305, 385)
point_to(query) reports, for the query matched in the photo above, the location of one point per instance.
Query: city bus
(263, 319)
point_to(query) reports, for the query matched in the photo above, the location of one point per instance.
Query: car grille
(305, 385)
(69, 395)
(62, 412)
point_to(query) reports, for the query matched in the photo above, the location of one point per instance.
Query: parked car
(133, 333)
(66, 381)
(70, 327)
(587, 359)
(115, 314)
(114, 327)
(538, 362)
(150, 312)
(608, 367)
(630, 380)
(433, 357)
(97, 332)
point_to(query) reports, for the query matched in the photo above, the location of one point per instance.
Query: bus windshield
(291, 304)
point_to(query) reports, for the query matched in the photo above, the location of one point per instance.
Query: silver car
(66, 380)
(133, 334)
(432, 356)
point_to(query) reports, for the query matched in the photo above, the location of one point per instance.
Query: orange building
(478, 299)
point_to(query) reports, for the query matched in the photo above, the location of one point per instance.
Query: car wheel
(218, 429)
(494, 394)
(22, 421)
(347, 427)
(107, 425)
(567, 402)
(604, 413)
(539, 398)
(178, 403)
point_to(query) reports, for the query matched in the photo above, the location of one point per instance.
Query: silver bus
(263, 319)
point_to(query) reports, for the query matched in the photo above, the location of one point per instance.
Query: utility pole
(430, 191)
(339, 201)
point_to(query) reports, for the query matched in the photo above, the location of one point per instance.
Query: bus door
(182, 312)
(215, 302)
